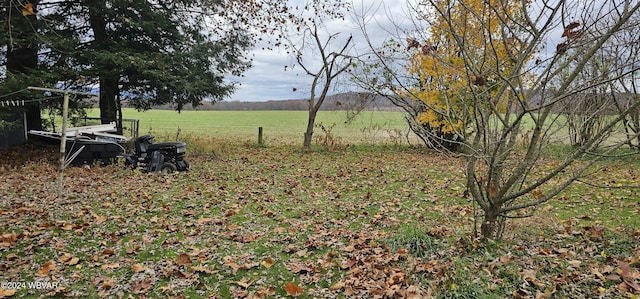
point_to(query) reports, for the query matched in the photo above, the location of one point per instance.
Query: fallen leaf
(530, 276)
(136, 268)
(73, 261)
(69, 259)
(623, 288)
(184, 260)
(520, 294)
(633, 285)
(338, 286)
(299, 267)
(98, 219)
(11, 257)
(142, 286)
(267, 263)
(203, 269)
(65, 257)
(4, 293)
(243, 283)
(50, 266)
(6, 240)
(181, 274)
(205, 220)
(414, 292)
(575, 263)
(110, 266)
(133, 249)
(292, 289)
(540, 295)
(625, 270)
(108, 283)
(613, 277)
(230, 262)
(266, 292)
(396, 278)
(597, 273)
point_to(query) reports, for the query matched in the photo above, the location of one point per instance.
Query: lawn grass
(275, 221)
(361, 214)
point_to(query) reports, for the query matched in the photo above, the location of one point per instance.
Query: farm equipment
(166, 157)
(97, 144)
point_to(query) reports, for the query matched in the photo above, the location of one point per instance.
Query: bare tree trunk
(119, 112)
(308, 135)
(108, 82)
(108, 91)
(491, 226)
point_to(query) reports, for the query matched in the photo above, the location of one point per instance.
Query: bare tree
(301, 29)
(333, 63)
(624, 88)
(514, 68)
(322, 55)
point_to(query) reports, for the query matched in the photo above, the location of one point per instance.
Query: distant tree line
(343, 101)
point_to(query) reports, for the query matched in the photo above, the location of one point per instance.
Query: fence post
(63, 133)
(260, 140)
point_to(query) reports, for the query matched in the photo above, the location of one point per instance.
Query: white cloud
(268, 79)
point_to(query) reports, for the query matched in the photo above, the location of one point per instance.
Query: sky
(268, 79)
(275, 76)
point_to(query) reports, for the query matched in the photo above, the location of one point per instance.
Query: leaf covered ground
(372, 222)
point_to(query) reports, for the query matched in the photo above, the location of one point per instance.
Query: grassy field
(287, 127)
(275, 221)
(280, 127)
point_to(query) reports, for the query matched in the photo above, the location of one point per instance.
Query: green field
(287, 127)
(279, 127)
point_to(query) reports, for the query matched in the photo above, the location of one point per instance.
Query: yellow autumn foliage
(470, 48)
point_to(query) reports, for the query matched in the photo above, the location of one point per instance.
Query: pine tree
(149, 52)
(19, 44)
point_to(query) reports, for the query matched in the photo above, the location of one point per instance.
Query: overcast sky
(268, 79)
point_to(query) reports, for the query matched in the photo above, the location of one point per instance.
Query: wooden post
(260, 140)
(63, 143)
(63, 131)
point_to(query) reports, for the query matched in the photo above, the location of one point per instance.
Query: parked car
(166, 157)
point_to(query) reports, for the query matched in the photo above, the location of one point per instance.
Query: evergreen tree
(151, 52)
(19, 44)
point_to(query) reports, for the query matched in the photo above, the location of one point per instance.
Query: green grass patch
(352, 221)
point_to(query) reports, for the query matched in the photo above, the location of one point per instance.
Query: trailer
(88, 145)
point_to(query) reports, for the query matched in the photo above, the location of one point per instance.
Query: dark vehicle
(164, 156)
